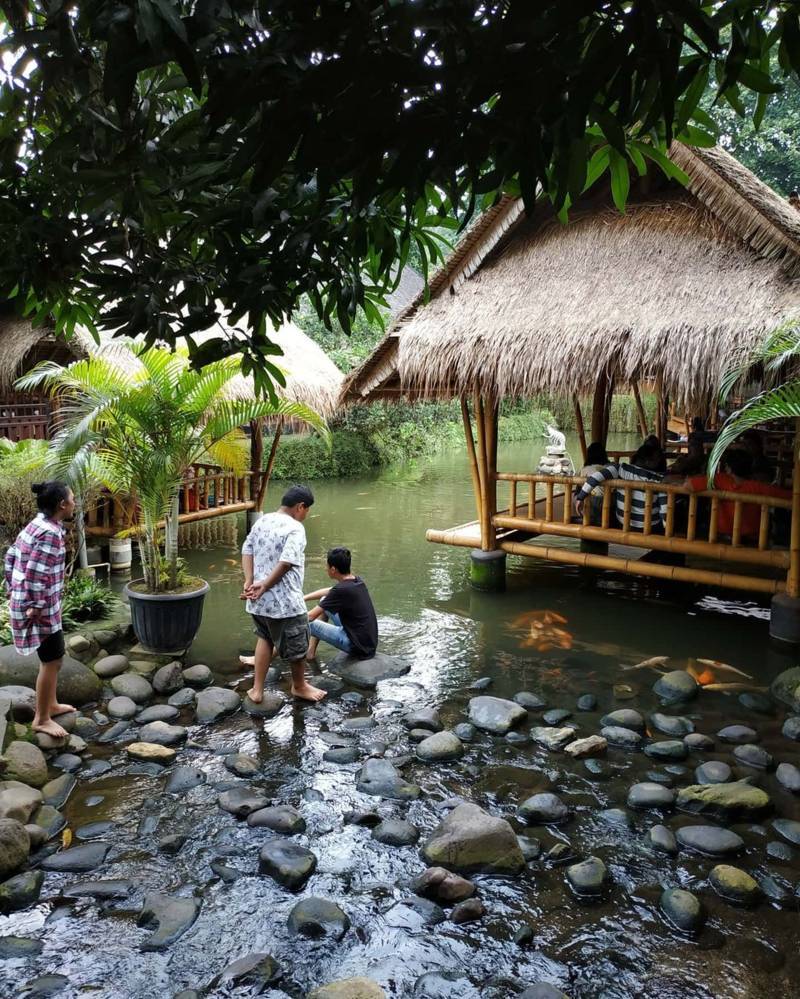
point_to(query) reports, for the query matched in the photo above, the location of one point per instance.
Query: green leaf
(620, 179)
(597, 166)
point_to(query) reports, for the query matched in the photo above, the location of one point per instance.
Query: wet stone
(68, 762)
(787, 829)
(543, 809)
(623, 718)
(241, 802)
(657, 777)
(442, 886)
(675, 687)
(172, 844)
(254, 971)
(440, 747)
(666, 749)
(698, 741)
(163, 734)
(592, 745)
(242, 765)
(615, 817)
(287, 863)
(122, 707)
(170, 915)
(20, 891)
(424, 718)
(94, 800)
(586, 702)
(282, 819)
(560, 853)
(682, 909)
(552, 738)
(650, 795)
(776, 850)
(738, 734)
(418, 734)
(791, 728)
(352, 697)
(530, 701)
(734, 885)
(368, 673)
(542, 990)
(396, 832)
(778, 891)
(46, 985)
(713, 772)
(515, 738)
(336, 739)
(467, 912)
(198, 676)
(13, 948)
(496, 715)
(470, 839)
(183, 779)
(710, 840)
(167, 679)
(483, 683)
(349, 988)
(94, 830)
(50, 819)
(753, 756)
(57, 791)
(270, 704)
(625, 738)
(342, 755)
(587, 877)
(788, 776)
(663, 839)
(361, 817)
(79, 859)
(114, 888)
(182, 698)
(115, 732)
(36, 835)
(725, 802)
(86, 728)
(465, 731)
(675, 725)
(151, 752)
(214, 703)
(110, 666)
(754, 701)
(531, 847)
(133, 686)
(157, 712)
(383, 780)
(361, 723)
(596, 768)
(225, 872)
(555, 716)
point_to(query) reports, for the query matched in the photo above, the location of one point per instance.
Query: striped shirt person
(636, 471)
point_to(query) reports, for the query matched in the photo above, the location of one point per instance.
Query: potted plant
(143, 417)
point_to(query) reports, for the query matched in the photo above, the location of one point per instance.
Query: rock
(198, 676)
(349, 988)
(111, 888)
(94, 830)
(682, 909)
(110, 666)
(396, 832)
(241, 801)
(616, 817)
(496, 715)
(791, 728)
(710, 840)
(427, 718)
(626, 738)
(713, 772)
(592, 745)
(753, 756)
(182, 698)
(780, 852)
(20, 891)
(368, 673)
(383, 780)
(18, 801)
(788, 829)
(68, 762)
(738, 734)
(172, 845)
(483, 683)
(78, 643)
(586, 702)
(337, 739)
(171, 916)
(560, 853)
(122, 707)
(345, 754)
(255, 970)
(144, 667)
(183, 779)
(734, 885)
(361, 723)
(353, 697)
(440, 747)
(666, 749)
(25, 763)
(37, 836)
(269, 706)
(725, 802)
(759, 703)
(543, 809)
(418, 734)
(132, 685)
(650, 795)
(317, 917)
(698, 741)
(663, 839)
(214, 703)
(555, 716)
(168, 679)
(115, 732)
(676, 686)
(467, 912)
(56, 792)
(674, 725)
(157, 712)
(78, 859)
(530, 701)
(552, 738)
(287, 863)
(542, 990)
(282, 819)
(50, 819)
(151, 752)
(163, 734)
(14, 948)
(442, 886)
(22, 700)
(786, 687)
(77, 684)
(624, 718)
(788, 776)
(588, 877)
(242, 765)
(469, 839)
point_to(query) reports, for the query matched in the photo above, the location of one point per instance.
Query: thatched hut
(666, 293)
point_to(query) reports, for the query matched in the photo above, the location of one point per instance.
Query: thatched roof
(411, 285)
(22, 345)
(671, 290)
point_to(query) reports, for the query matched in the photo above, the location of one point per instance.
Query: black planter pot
(166, 622)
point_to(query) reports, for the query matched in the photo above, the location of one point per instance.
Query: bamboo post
(482, 423)
(599, 403)
(576, 402)
(262, 489)
(640, 413)
(473, 459)
(793, 578)
(512, 498)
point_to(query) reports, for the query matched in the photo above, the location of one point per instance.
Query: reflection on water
(555, 631)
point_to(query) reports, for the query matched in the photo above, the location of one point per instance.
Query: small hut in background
(666, 294)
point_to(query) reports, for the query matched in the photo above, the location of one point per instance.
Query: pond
(534, 928)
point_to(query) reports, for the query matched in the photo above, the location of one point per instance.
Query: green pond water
(617, 946)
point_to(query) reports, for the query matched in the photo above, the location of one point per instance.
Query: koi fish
(734, 686)
(66, 838)
(716, 664)
(231, 561)
(648, 663)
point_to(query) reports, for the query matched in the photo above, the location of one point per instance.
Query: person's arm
(318, 594)
(41, 572)
(595, 479)
(247, 570)
(260, 586)
(315, 612)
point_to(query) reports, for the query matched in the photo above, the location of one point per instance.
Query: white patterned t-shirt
(277, 537)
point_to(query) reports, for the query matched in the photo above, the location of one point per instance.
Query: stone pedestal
(487, 570)
(784, 621)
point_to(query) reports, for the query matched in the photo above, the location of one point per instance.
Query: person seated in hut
(654, 444)
(691, 463)
(762, 469)
(736, 477)
(643, 467)
(596, 458)
(345, 616)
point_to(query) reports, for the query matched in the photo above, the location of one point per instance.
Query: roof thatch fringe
(746, 204)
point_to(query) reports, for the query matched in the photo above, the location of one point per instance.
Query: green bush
(84, 600)
(21, 465)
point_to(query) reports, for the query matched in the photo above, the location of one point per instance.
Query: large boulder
(169, 678)
(382, 779)
(170, 916)
(26, 763)
(18, 801)
(471, 840)
(77, 684)
(23, 701)
(494, 714)
(786, 687)
(676, 686)
(14, 846)
(368, 673)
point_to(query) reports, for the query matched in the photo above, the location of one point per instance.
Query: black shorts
(289, 635)
(52, 648)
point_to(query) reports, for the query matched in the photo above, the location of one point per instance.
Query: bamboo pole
(491, 415)
(576, 402)
(483, 471)
(599, 402)
(640, 413)
(262, 489)
(473, 460)
(793, 578)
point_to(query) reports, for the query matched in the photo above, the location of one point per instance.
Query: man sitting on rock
(345, 616)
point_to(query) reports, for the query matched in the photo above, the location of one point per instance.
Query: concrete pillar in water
(784, 619)
(252, 517)
(487, 570)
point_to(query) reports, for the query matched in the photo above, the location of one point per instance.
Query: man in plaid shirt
(34, 573)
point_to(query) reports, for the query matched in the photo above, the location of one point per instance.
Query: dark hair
(698, 425)
(739, 462)
(50, 495)
(298, 494)
(339, 559)
(596, 454)
(647, 457)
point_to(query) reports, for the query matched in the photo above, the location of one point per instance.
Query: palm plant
(776, 360)
(138, 418)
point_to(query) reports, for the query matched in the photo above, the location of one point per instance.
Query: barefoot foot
(306, 692)
(61, 709)
(256, 696)
(50, 728)
(247, 660)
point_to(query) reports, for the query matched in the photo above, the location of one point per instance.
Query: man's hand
(256, 589)
(578, 506)
(34, 614)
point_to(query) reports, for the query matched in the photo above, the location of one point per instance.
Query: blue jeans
(331, 631)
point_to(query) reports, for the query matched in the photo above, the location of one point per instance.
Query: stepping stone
(588, 877)
(198, 676)
(469, 839)
(157, 712)
(345, 754)
(443, 886)
(22, 890)
(734, 885)
(336, 739)
(167, 679)
(496, 715)
(738, 734)
(79, 859)
(413, 914)
(674, 725)
(788, 776)
(651, 795)
(623, 718)
(317, 917)
(122, 707)
(115, 732)
(396, 832)
(114, 888)
(710, 840)
(93, 830)
(241, 801)
(151, 752)
(182, 698)
(368, 673)
(725, 802)
(667, 749)
(163, 734)
(713, 772)
(788, 829)
(676, 686)
(663, 839)
(543, 809)
(68, 762)
(586, 702)
(268, 706)
(214, 703)
(427, 718)
(556, 716)
(682, 909)
(363, 723)
(530, 701)
(242, 765)
(753, 756)
(625, 738)
(56, 792)
(552, 738)
(698, 741)
(380, 778)
(440, 747)
(183, 779)
(110, 666)
(95, 768)
(170, 915)
(467, 912)
(287, 863)
(280, 818)
(133, 686)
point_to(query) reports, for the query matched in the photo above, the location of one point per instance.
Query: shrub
(84, 600)
(21, 464)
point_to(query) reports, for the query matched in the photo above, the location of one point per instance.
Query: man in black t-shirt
(344, 617)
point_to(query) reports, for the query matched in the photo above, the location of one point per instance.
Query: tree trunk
(171, 541)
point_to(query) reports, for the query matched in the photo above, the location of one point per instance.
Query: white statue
(556, 460)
